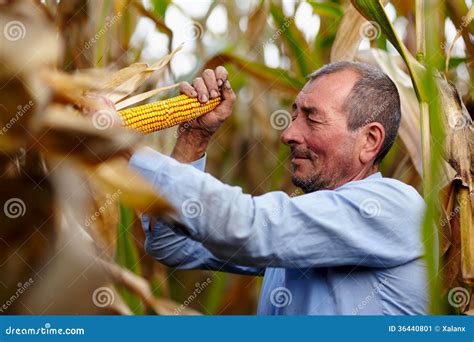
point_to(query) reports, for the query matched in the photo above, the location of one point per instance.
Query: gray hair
(373, 98)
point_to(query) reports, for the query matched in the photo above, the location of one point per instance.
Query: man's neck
(359, 175)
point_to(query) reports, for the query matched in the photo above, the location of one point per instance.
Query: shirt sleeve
(374, 223)
(168, 244)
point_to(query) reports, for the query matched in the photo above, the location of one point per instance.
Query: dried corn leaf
(140, 287)
(447, 197)
(256, 24)
(348, 36)
(115, 175)
(103, 220)
(28, 231)
(72, 20)
(69, 88)
(467, 234)
(459, 152)
(125, 81)
(18, 105)
(117, 305)
(65, 134)
(143, 96)
(459, 132)
(92, 209)
(24, 25)
(71, 280)
(66, 284)
(450, 237)
(466, 19)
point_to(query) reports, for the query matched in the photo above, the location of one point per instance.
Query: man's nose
(292, 134)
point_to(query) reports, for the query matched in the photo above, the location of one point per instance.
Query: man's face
(323, 150)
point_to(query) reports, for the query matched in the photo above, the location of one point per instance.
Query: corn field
(70, 232)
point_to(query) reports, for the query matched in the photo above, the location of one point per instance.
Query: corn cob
(167, 113)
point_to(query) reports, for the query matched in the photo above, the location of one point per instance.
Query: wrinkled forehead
(328, 92)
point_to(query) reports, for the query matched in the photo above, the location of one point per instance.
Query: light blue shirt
(355, 250)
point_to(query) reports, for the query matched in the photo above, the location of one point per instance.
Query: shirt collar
(375, 175)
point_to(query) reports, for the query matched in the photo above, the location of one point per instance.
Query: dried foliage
(72, 241)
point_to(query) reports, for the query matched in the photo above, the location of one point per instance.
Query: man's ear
(374, 134)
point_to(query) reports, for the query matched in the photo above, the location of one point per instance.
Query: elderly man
(350, 245)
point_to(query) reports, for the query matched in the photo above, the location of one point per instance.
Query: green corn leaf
(328, 9)
(373, 10)
(160, 7)
(274, 77)
(287, 31)
(127, 256)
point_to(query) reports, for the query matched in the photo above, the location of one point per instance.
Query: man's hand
(194, 136)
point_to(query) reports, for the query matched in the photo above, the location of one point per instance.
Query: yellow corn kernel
(167, 113)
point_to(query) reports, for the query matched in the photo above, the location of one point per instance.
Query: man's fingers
(187, 89)
(152, 223)
(211, 83)
(228, 95)
(200, 86)
(221, 75)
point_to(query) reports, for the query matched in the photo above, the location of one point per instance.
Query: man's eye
(314, 121)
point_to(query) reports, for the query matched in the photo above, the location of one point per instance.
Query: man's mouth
(299, 155)
(298, 158)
